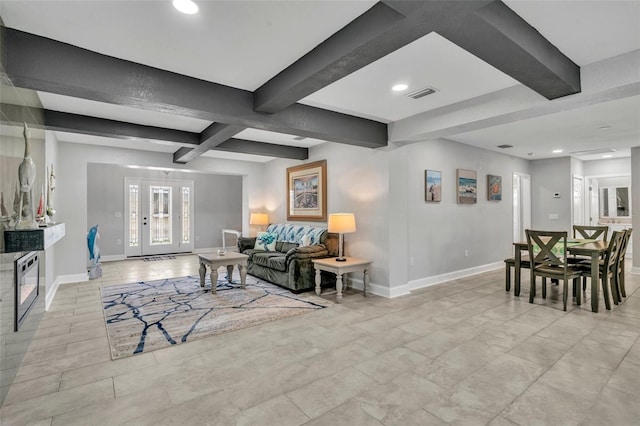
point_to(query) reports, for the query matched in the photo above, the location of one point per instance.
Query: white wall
(446, 237)
(613, 166)
(71, 192)
(547, 178)
(635, 207)
(51, 158)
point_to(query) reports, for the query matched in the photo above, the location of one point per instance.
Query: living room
(413, 244)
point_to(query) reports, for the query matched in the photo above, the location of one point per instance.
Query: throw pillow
(265, 241)
(305, 241)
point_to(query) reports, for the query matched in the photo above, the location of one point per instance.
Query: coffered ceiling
(257, 80)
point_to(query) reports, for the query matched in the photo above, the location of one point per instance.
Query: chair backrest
(590, 232)
(612, 255)
(547, 247)
(625, 243)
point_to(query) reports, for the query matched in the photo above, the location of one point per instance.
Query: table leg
(214, 280)
(338, 288)
(203, 271)
(243, 275)
(595, 281)
(230, 273)
(318, 281)
(516, 272)
(365, 281)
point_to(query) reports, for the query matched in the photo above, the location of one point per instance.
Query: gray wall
(547, 178)
(635, 207)
(218, 203)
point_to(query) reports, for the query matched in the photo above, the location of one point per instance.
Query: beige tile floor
(464, 352)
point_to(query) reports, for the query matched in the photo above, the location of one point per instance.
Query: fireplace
(27, 285)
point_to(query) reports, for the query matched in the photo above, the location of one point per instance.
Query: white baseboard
(73, 278)
(635, 270)
(380, 290)
(112, 258)
(51, 293)
(449, 276)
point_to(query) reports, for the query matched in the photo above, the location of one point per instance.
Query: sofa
(288, 263)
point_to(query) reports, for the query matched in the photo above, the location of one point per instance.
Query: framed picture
(467, 181)
(307, 192)
(432, 186)
(494, 188)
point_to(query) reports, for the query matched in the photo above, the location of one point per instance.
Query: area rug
(146, 316)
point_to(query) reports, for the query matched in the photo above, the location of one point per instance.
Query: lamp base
(341, 259)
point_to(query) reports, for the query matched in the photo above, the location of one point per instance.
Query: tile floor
(464, 352)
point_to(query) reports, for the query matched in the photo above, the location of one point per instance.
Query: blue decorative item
(95, 271)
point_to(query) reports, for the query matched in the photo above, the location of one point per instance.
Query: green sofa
(290, 265)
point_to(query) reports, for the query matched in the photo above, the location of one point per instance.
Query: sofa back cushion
(294, 233)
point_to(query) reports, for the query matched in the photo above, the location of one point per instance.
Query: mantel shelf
(32, 239)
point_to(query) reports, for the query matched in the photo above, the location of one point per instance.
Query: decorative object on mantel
(95, 271)
(341, 223)
(307, 192)
(51, 185)
(26, 178)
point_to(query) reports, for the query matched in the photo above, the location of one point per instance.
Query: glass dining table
(589, 248)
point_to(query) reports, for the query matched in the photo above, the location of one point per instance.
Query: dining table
(589, 248)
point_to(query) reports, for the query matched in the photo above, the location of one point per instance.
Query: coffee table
(229, 259)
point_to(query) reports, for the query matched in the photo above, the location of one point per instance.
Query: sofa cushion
(284, 247)
(266, 241)
(270, 259)
(294, 233)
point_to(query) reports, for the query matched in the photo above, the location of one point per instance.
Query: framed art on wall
(307, 192)
(494, 188)
(432, 186)
(467, 181)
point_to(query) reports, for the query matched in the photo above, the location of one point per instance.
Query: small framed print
(467, 181)
(432, 186)
(494, 188)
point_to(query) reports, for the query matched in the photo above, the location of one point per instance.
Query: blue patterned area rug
(145, 316)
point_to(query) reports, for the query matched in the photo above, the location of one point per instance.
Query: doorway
(521, 205)
(159, 216)
(578, 200)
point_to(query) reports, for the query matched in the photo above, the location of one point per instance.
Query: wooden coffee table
(229, 259)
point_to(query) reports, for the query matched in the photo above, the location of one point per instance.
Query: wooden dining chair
(620, 262)
(608, 269)
(548, 251)
(590, 232)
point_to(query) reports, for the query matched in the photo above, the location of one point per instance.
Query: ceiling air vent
(505, 146)
(422, 92)
(593, 151)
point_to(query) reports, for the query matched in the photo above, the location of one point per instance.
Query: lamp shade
(342, 223)
(259, 219)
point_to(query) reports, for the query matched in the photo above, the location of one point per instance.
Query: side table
(352, 264)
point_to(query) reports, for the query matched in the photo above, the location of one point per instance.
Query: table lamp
(341, 223)
(260, 219)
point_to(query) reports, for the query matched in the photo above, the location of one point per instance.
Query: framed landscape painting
(432, 186)
(307, 192)
(467, 181)
(494, 188)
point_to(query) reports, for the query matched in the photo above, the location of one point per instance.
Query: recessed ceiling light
(400, 87)
(604, 127)
(557, 151)
(607, 156)
(186, 6)
(531, 154)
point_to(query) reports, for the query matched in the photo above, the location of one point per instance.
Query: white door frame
(521, 202)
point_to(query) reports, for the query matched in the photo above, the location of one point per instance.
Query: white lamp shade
(259, 219)
(342, 223)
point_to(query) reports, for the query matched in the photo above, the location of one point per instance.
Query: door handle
(145, 220)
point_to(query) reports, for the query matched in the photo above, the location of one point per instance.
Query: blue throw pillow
(265, 241)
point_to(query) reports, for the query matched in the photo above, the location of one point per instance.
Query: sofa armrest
(315, 251)
(245, 243)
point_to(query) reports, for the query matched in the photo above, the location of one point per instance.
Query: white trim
(51, 293)
(635, 270)
(112, 258)
(380, 290)
(73, 278)
(449, 276)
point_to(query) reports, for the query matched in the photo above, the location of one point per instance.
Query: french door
(159, 217)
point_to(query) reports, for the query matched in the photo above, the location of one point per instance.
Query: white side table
(352, 264)
(235, 232)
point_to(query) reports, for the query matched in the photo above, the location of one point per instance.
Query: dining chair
(548, 252)
(620, 262)
(608, 269)
(511, 263)
(590, 232)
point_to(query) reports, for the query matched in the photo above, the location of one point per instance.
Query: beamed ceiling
(261, 80)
